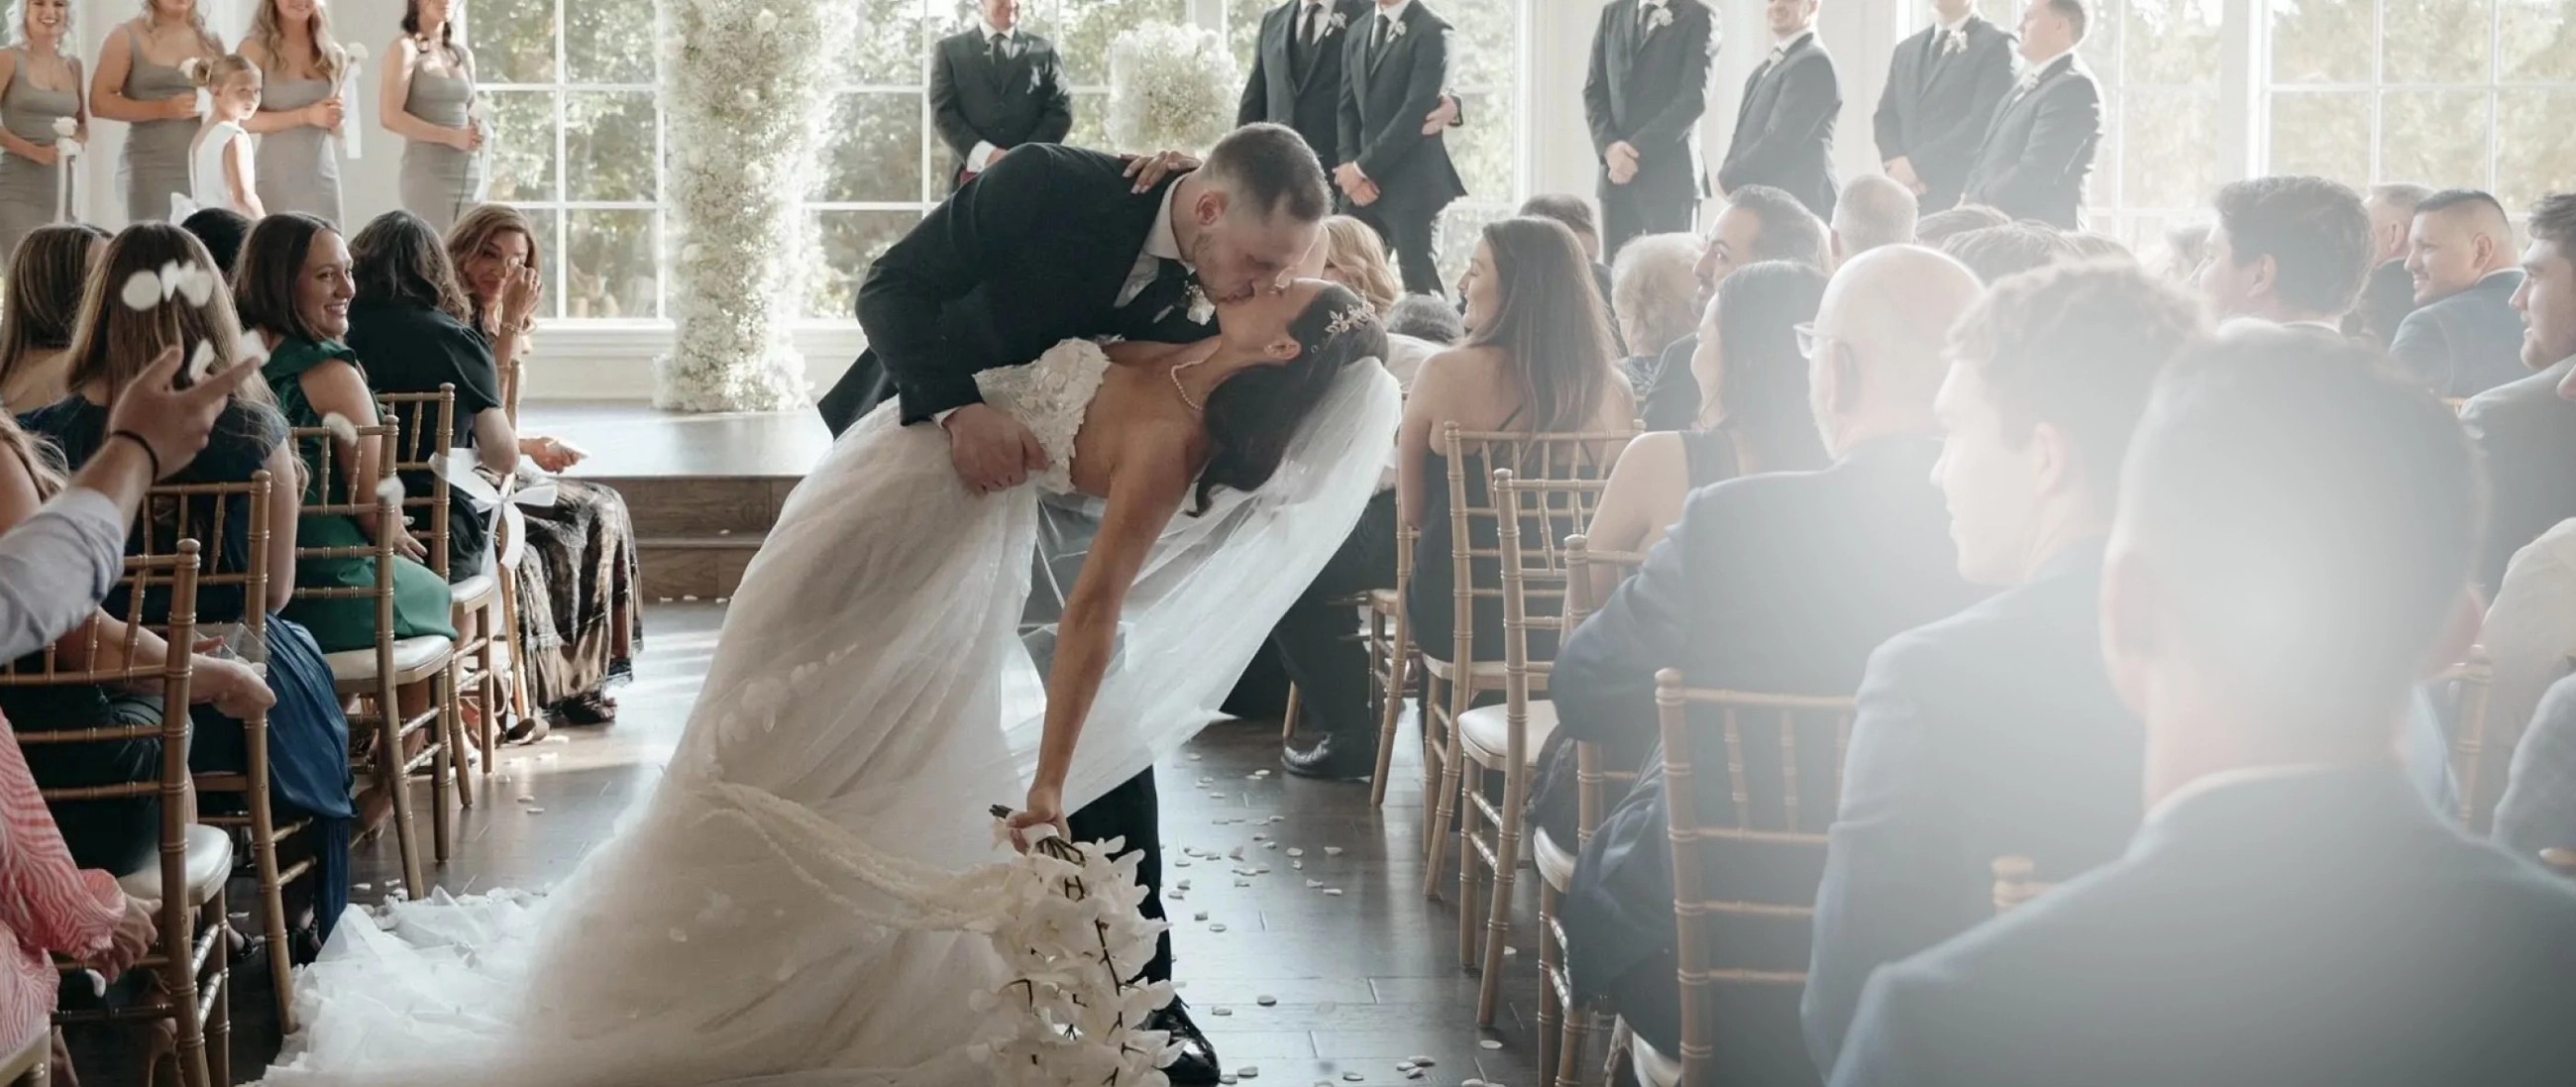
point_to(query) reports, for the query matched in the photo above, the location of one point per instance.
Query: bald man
(1778, 583)
(1874, 211)
(2464, 337)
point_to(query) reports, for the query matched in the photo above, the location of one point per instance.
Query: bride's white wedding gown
(782, 911)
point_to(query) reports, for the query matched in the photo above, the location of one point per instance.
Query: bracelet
(146, 446)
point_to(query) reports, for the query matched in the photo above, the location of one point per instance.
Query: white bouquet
(352, 145)
(1171, 88)
(1067, 920)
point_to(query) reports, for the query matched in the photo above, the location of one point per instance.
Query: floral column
(744, 125)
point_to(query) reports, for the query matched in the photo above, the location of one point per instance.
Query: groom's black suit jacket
(1028, 254)
(1299, 85)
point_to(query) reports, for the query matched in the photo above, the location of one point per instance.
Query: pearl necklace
(1194, 403)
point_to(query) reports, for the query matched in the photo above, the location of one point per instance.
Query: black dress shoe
(1335, 757)
(1197, 1065)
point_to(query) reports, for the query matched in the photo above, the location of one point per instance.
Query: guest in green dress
(293, 290)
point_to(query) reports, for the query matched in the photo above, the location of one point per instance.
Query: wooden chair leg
(440, 729)
(1498, 915)
(1569, 1049)
(518, 644)
(272, 908)
(451, 732)
(180, 976)
(1435, 695)
(1551, 1011)
(218, 1004)
(397, 784)
(1390, 714)
(1288, 717)
(1451, 780)
(1470, 819)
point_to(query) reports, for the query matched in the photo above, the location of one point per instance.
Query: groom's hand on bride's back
(992, 451)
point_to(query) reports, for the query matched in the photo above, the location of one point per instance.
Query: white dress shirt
(2530, 629)
(982, 155)
(1162, 243)
(55, 567)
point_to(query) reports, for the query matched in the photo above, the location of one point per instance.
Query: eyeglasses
(1807, 340)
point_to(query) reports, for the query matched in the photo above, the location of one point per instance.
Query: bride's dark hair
(1253, 416)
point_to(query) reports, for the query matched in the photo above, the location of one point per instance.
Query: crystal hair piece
(1348, 319)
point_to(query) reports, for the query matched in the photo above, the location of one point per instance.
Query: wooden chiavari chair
(2478, 756)
(1744, 878)
(205, 511)
(425, 438)
(1505, 739)
(190, 953)
(2561, 861)
(1454, 682)
(1564, 1023)
(378, 676)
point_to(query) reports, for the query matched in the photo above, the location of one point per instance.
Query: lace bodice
(1050, 396)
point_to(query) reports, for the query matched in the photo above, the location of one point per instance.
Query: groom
(1052, 243)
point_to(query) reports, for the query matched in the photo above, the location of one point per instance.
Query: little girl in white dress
(221, 173)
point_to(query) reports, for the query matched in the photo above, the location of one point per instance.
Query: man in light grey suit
(2464, 336)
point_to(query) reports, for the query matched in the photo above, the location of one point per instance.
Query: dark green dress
(422, 604)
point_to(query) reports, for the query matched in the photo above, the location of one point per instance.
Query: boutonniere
(1200, 307)
(1661, 18)
(1394, 31)
(1954, 43)
(1337, 22)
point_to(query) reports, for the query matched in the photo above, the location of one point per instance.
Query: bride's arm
(1155, 469)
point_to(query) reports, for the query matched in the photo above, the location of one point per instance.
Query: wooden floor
(1361, 980)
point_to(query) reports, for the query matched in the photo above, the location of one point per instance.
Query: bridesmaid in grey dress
(38, 87)
(139, 82)
(300, 108)
(427, 99)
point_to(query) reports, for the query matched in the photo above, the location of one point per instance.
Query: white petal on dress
(785, 910)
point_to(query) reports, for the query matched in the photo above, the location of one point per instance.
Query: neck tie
(1385, 33)
(998, 48)
(1646, 16)
(1313, 30)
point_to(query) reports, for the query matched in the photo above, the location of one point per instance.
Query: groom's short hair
(1270, 167)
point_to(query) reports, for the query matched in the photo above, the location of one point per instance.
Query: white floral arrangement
(1171, 88)
(745, 129)
(1068, 923)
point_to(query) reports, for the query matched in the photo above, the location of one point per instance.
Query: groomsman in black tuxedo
(995, 87)
(1297, 74)
(1784, 130)
(2039, 148)
(1943, 88)
(1643, 97)
(1393, 176)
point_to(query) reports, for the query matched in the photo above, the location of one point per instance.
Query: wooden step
(705, 567)
(677, 506)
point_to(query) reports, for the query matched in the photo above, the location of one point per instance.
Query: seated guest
(222, 230)
(2291, 552)
(1655, 297)
(1998, 251)
(1355, 257)
(2389, 295)
(307, 732)
(1874, 210)
(577, 602)
(1757, 421)
(2531, 629)
(2094, 245)
(408, 329)
(1995, 731)
(55, 566)
(2539, 807)
(2186, 249)
(119, 834)
(1779, 583)
(314, 376)
(1418, 327)
(1938, 227)
(2289, 250)
(1576, 213)
(2526, 429)
(1537, 360)
(40, 311)
(1758, 224)
(2464, 336)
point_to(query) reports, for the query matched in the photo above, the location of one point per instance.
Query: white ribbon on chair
(351, 124)
(66, 148)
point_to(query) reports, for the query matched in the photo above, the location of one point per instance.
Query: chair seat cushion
(1653, 1068)
(473, 591)
(410, 656)
(210, 860)
(1485, 732)
(1555, 865)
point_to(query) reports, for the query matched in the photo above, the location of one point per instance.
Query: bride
(785, 909)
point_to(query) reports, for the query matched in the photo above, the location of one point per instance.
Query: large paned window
(578, 145)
